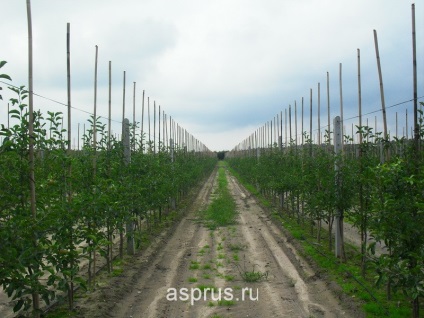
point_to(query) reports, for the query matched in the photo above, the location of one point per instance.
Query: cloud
(217, 67)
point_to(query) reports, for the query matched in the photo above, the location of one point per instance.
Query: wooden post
(95, 108)
(328, 108)
(123, 103)
(142, 121)
(310, 122)
(148, 120)
(154, 127)
(33, 208)
(109, 116)
(285, 125)
(295, 123)
(127, 160)
(319, 115)
(380, 76)
(359, 99)
(69, 173)
(159, 130)
(303, 141)
(341, 104)
(406, 123)
(68, 72)
(134, 139)
(290, 124)
(78, 142)
(339, 212)
(415, 85)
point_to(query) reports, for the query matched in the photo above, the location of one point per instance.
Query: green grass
(224, 302)
(207, 266)
(60, 313)
(338, 272)
(194, 265)
(222, 209)
(229, 278)
(237, 247)
(206, 276)
(192, 280)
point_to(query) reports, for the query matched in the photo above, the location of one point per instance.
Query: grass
(253, 276)
(222, 209)
(194, 265)
(61, 313)
(207, 266)
(224, 302)
(206, 276)
(192, 280)
(237, 247)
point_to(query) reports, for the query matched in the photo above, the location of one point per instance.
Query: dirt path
(192, 271)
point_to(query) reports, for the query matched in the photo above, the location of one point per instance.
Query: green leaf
(5, 76)
(18, 305)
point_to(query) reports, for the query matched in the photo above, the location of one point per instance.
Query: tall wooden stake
(319, 115)
(380, 76)
(109, 116)
(414, 68)
(134, 139)
(328, 108)
(35, 295)
(339, 213)
(341, 103)
(142, 120)
(123, 103)
(69, 186)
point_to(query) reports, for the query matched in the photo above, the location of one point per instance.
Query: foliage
(379, 187)
(84, 199)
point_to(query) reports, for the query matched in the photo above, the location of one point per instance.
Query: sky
(220, 69)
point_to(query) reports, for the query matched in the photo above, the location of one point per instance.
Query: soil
(188, 255)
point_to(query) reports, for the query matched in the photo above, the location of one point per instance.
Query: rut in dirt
(204, 272)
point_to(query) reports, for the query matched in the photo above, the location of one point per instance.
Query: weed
(207, 266)
(224, 302)
(229, 278)
(192, 279)
(251, 276)
(194, 265)
(206, 276)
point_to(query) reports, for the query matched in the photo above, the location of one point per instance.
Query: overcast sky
(220, 68)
